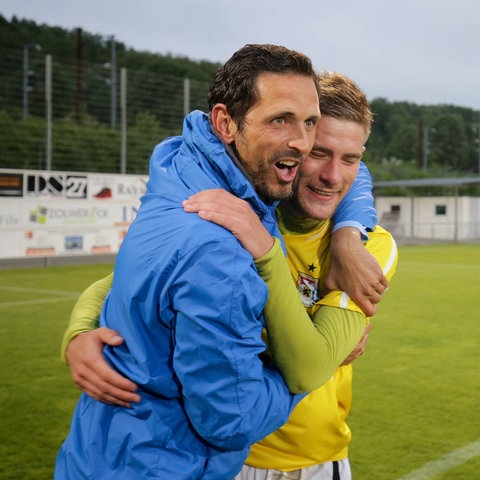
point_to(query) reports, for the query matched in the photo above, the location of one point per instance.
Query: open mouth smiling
(287, 170)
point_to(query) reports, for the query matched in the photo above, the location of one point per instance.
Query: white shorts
(325, 471)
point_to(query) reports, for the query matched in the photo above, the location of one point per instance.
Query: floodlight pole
(113, 85)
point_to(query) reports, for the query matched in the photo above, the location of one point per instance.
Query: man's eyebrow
(319, 148)
(329, 151)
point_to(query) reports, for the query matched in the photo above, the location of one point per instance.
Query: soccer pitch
(415, 411)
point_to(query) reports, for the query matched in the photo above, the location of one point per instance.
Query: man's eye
(317, 154)
(310, 123)
(279, 120)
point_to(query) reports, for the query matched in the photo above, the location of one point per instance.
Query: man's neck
(290, 223)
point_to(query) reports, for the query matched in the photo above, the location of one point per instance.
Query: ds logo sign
(68, 186)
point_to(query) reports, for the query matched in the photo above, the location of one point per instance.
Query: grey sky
(421, 51)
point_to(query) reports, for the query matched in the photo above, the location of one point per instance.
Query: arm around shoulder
(306, 353)
(86, 312)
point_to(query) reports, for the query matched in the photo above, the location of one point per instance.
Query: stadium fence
(59, 114)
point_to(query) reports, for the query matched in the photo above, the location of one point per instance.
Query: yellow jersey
(316, 431)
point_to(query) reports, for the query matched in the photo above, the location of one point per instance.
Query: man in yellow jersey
(313, 444)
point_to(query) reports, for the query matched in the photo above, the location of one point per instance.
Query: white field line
(60, 296)
(37, 290)
(36, 302)
(451, 460)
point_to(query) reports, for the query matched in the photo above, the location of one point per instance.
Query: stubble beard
(266, 191)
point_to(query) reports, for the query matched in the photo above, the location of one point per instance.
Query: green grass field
(416, 389)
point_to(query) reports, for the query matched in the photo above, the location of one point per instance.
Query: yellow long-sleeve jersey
(316, 431)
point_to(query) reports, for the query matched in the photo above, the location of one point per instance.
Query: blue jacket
(188, 301)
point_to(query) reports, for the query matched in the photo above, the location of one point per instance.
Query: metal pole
(48, 109)
(425, 148)
(412, 216)
(78, 113)
(25, 81)
(113, 85)
(123, 108)
(186, 96)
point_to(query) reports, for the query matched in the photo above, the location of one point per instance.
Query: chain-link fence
(58, 114)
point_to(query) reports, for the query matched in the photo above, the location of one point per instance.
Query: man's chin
(321, 212)
(277, 193)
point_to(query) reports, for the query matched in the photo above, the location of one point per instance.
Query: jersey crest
(308, 289)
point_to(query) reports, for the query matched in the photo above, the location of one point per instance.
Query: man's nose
(331, 171)
(301, 139)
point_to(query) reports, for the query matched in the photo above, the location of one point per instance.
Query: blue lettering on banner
(129, 213)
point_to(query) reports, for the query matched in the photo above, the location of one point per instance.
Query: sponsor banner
(55, 185)
(66, 213)
(56, 213)
(116, 187)
(76, 227)
(11, 184)
(11, 214)
(64, 242)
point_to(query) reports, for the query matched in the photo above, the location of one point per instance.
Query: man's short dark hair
(234, 84)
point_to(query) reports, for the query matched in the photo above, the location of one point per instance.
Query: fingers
(105, 385)
(216, 206)
(115, 390)
(92, 374)
(109, 336)
(360, 348)
(212, 199)
(367, 304)
(371, 297)
(382, 286)
(234, 214)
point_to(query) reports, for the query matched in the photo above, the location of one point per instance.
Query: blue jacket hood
(200, 149)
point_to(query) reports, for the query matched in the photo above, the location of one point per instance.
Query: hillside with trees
(407, 141)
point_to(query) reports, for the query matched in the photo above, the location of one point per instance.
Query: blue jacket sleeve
(231, 398)
(357, 209)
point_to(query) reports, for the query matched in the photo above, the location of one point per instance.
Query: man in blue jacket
(186, 296)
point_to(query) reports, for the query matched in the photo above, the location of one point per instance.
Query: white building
(430, 218)
(437, 218)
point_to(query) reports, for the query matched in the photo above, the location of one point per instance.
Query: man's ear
(223, 123)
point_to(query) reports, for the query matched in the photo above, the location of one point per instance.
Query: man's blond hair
(341, 98)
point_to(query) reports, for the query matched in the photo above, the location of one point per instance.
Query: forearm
(86, 312)
(306, 353)
(216, 355)
(357, 209)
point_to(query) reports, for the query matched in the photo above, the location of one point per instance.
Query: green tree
(448, 143)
